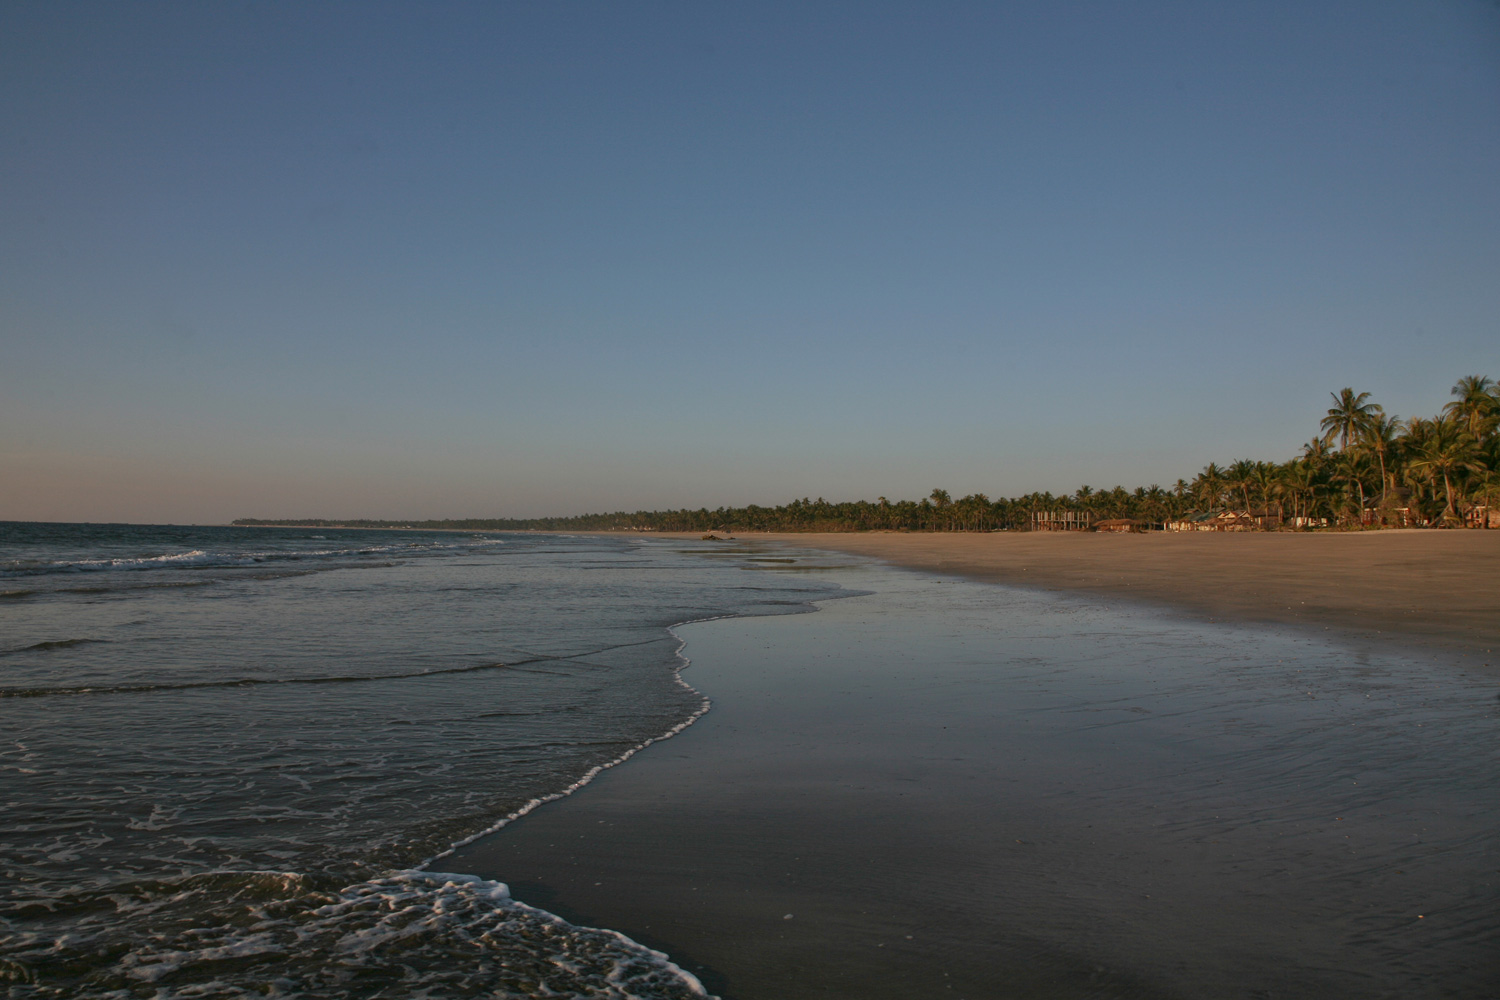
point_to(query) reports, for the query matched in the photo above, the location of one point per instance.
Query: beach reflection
(997, 792)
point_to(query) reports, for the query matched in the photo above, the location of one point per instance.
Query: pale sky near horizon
(514, 259)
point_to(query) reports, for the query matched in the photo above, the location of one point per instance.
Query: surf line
(704, 704)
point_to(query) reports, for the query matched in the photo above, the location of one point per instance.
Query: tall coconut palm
(1298, 480)
(1380, 435)
(1418, 430)
(1264, 479)
(1349, 468)
(942, 500)
(1347, 416)
(1448, 450)
(1241, 476)
(1177, 504)
(1283, 486)
(1476, 407)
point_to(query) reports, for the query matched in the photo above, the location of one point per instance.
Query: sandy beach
(1439, 589)
(950, 788)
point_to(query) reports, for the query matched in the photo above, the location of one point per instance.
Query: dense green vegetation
(1364, 467)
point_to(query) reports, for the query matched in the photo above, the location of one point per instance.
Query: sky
(519, 259)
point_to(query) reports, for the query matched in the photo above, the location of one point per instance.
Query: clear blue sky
(511, 259)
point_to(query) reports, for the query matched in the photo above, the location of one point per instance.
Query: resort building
(1392, 508)
(1217, 520)
(1062, 520)
(1481, 516)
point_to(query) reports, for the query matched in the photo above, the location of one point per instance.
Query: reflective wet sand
(949, 788)
(1439, 588)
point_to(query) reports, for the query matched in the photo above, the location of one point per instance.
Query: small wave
(38, 647)
(15, 595)
(204, 558)
(239, 682)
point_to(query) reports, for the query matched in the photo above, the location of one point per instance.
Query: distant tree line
(1363, 467)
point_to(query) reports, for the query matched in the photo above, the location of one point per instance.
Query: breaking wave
(289, 935)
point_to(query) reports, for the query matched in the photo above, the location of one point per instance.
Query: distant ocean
(233, 759)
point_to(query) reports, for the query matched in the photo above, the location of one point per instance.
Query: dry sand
(1440, 589)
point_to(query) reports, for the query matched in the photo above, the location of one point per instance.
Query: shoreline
(1430, 589)
(1438, 590)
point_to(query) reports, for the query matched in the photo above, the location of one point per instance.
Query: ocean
(233, 760)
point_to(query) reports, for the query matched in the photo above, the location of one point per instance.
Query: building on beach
(1392, 508)
(1218, 520)
(1481, 516)
(1062, 520)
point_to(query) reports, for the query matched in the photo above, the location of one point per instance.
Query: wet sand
(946, 788)
(1437, 588)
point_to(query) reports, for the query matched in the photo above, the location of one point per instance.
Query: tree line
(1363, 467)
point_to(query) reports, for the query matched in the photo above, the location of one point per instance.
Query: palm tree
(1115, 502)
(1316, 451)
(942, 501)
(1284, 485)
(1476, 406)
(1349, 469)
(1486, 487)
(1380, 434)
(1303, 478)
(1448, 450)
(1348, 416)
(1242, 477)
(973, 511)
(1209, 485)
(1265, 484)
(1159, 502)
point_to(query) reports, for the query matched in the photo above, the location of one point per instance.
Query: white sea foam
(320, 943)
(290, 932)
(703, 706)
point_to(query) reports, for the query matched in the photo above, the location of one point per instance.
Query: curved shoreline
(703, 706)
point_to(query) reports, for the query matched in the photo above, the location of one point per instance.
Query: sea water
(233, 759)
